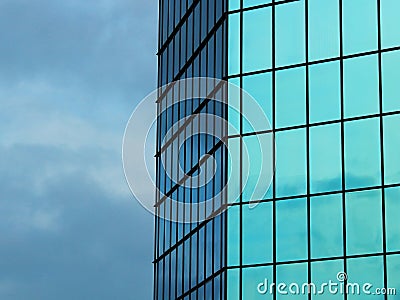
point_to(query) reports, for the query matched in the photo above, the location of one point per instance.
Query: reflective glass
(365, 270)
(362, 153)
(390, 23)
(326, 226)
(233, 279)
(360, 28)
(249, 3)
(392, 207)
(390, 81)
(361, 95)
(259, 87)
(364, 222)
(234, 44)
(293, 276)
(234, 170)
(257, 39)
(391, 149)
(233, 238)
(290, 97)
(252, 278)
(322, 273)
(290, 36)
(291, 170)
(257, 233)
(291, 230)
(393, 262)
(324, 92)
(325, 158)
(323, 18)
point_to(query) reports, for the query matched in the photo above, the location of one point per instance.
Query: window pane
(391, 149)
(324, 92)
(257, 39)
(233, 235)
(234, 106)
(234, 44)
(290, 97)
(365, 270)
(233, 170)
(393, 263)
(249, 3)
(362, 153)
(359, 26)
(291, 171)
(390, 23)
(325, 158)
(364, 222)
(288, 274)
(291, 229)
(252, 278)
(257, 234)
(233, 284)
(326, 226)
(392, 207)
(260, 88)
(290, 33)
(323, 18)
(322, 273)
(390, 80)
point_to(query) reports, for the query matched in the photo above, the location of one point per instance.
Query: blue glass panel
(321, 274)
(324, 92)
(325, 158)
(252, 279)
(257, 233)
(392, 207)
(323, 18)
(390, 23)
(234, 44)
(291, 230)
(391, 149)
(326, 226)
(365, 270)
(362, 153)
(364, 222)
(360, 28)
(290, 35)
(294, 276)
(390, 81)
(393, 265)
(361, 96)
(291, 170)
(290, 97)
(257, 39)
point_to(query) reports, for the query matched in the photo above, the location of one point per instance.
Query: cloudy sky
(71, 73)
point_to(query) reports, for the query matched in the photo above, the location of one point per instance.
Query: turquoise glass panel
(232, 285)
(252, 278)
(390, 23)
(293, 276)
(393, 263)
(390, 81)
(233, 238)
(392, 207)
(321, 273)
(234, 44)
(391, 148)
(250, 3)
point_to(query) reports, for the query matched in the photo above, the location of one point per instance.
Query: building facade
(326, 74)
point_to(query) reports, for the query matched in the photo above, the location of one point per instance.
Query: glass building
(327, 75)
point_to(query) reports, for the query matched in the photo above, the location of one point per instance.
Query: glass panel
(362, 153)
(361, 96)
(323, 18)
(234, 44)
(393, 265)
(234, 106)
(290, 36)
(325, 158)
(233, 4)
(365, 270)
(234, 170)
(233, 284)
(257, 233)
(359, 26)
(392, 207)
(257, 39)
(326, 226)
(291, 170)
(391, 149)
(364, 222)
(390, 81)
(293, 276)
(291, 229)
(322, 273)
(257, 283)
(257, 166)
(324, 82)
(390, 23)
(290, 97)
(260, 88)
(249, 3)
(233, 235)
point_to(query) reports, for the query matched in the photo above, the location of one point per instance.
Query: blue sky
(71, 73)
